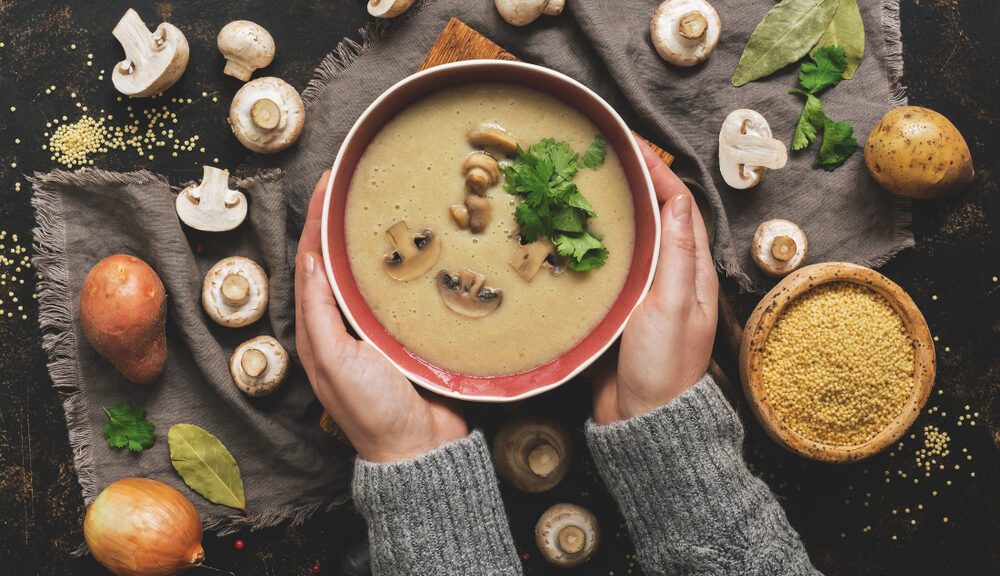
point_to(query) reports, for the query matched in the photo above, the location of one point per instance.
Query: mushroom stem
(543, 459)
(572, 539)
(138, 42)
(235, 290)
(214, 189)
(783, 248)
(753, 150)
(692, 26)
(253, 362)
(402, 239)
(265, 114)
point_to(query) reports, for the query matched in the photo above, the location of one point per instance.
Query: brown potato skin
(123, 309)
(919, 153)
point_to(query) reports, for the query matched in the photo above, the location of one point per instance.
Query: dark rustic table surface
(881, 516)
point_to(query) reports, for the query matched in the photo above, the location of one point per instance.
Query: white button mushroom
(235, 292)
(747, 149)
(532, 454)
(247, 46)
(524, 12)
(267, 115)
(388, 8)
(153, 60)
(567, 535)
(533, 256)
(259, 366)
(779, 247)
(466, 294)
(211, 206)
(481, 171)
(494, 139)
(413, 253)
(685, 32)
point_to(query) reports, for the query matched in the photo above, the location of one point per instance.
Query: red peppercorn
(200, 248)
(316, 569)
(238, 544)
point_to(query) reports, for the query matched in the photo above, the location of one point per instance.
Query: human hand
(667, 344)
(382, 414)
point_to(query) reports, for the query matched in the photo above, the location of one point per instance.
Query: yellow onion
(141, 527)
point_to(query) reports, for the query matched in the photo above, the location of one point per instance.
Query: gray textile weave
(290, 468)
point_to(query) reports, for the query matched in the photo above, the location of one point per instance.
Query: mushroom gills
(533, 256)
(413, 253)
(466, 294)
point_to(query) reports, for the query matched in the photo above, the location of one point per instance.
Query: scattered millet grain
(838, 364)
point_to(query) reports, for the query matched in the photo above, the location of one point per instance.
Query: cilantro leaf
(838, 145)
(577, 200)
(127, 426)
(811, 120)
(576, 245)
(559, 154)
(591, 260)
(531, 223)
(594, 156)
(826, 69)
(569, 219)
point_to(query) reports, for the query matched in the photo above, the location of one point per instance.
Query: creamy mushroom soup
(412, 173)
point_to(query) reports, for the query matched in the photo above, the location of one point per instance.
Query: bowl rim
(325, 229)
(770, 308)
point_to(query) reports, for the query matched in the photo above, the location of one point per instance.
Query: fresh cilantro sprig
(825, 70)
(127, 426)
(551, 204)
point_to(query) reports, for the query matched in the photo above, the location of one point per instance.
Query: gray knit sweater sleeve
(438, 514)
(690, 502)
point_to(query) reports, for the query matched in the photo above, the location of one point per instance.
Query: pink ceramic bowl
(511, 387)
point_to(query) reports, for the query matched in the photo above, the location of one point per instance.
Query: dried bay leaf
(846, 30)
(785, 35)
(206, 466)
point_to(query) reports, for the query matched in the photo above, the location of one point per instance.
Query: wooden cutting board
(459, 42)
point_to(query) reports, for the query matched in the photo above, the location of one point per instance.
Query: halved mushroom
(524, 12)
(779, 247)
(494, 139)
(267, 115)
(567, 535)
(247, 46)
(153, 60)
(533, 256)
(474, 214)
(211, 206)
(388, 8)
(466, 294)
(481, 171)
(235, 292)
(259, 366)
(413, 253)
(532, 454)
(747, 149)
(685, 32)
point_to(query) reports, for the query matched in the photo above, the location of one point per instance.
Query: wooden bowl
(770, 309)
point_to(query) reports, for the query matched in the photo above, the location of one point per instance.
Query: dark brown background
(952, 66)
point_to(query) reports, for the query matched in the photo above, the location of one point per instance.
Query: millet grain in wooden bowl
(836, 362)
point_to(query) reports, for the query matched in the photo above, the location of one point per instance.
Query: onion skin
(141, 527)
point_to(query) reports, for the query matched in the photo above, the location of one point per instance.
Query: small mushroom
(533, 256)
(211, 206)
(153, 60)
(247, 46)
(779, 247)
(567, 535)
(747, 149)
(267, 115)
(474, 214)
(532, 454)
(481, 171)
(524, 12)
(235, 292)
(465, 293)
(259, 366)
(685, 32)
(494, 139)
(388, 8)
(413, 253)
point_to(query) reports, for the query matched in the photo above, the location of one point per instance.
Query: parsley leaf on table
(826, 70)
(810, 121)
(838, 145)
(127, 426)
(594, 156)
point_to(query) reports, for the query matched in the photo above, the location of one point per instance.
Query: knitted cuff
(439, 513)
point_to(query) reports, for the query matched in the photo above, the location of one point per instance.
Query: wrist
(410, 447)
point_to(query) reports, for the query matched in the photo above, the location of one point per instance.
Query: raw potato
(123, 309)
(918, 153)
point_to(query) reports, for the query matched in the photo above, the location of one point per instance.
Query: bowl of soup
(489, 227)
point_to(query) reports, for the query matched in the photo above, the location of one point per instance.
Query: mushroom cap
(480, 210)
(532, 454)
(247, 46)
(533, 256)
(779, 247)
(747, 149)
(286, 127)
(388, 8)
(153, 61)
(211, 206)
(671, 44)
(481, 170)
(255, 297)
(259, 366)
(567, 535)
(494, 139)
(522, 12)
(413, 253)
(466, 294)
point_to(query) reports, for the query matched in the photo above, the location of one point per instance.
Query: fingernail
(681, 208)
(308, 265)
